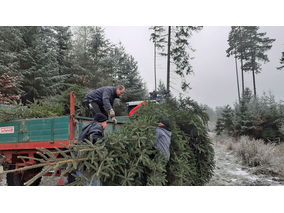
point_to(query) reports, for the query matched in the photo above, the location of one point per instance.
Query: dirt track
(230, 172)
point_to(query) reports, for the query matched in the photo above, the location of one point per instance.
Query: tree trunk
(243, 83)
(254, 87)
(168, 62)
(238, 85)
(253, 71)
(155, 66)
(242, 67)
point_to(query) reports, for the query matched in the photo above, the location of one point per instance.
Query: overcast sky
(214, 79)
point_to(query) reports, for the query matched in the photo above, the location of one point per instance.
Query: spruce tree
(270, 118)
(11, 46)
(125, 72)
(8, 89)
(128, 156)
(219, 128)
(225, 121)
(39, 66)
(227, 118)
(256, 117)
(63, 36)
(30, 54)
(162, 91)
(91, 53)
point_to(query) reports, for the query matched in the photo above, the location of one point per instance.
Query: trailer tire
(13, 178)
(18, 179)
(70, 177)
(36, 182)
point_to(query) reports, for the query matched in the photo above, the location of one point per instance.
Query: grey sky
(214, 80)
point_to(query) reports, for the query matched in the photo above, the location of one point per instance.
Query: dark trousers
(93, 108)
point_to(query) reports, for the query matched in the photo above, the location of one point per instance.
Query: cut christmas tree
(128, 156)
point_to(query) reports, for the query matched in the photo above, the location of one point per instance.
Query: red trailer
(23, 137)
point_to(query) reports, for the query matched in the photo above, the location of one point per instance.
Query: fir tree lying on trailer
(37, 109)
(128, 156)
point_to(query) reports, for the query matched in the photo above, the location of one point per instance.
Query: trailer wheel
(29, 174)
(13, 179)
(70, 177)
(18, 179)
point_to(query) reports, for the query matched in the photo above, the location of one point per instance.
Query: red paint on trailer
(72, 115)
(34, 145)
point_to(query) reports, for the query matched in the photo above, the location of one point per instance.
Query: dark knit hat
(165, 122)
(99, 117)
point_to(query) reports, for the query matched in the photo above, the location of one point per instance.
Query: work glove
(90, 106)
(111, 113)
(113, 119)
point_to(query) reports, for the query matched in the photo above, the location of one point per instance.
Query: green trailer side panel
(8, 139)
(53, 129)
(11, 137)
(40, 129)
(50, 129)
(62, 131)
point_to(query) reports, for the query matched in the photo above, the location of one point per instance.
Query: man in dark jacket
(102, 99)
(95, 129)
(163, 135)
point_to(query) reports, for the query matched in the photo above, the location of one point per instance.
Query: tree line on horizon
(259, 117)
(39, 62)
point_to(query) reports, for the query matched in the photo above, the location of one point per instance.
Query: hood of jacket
(164, 130)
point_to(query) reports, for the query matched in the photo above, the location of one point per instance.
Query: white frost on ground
(230, 172)
(239, 172)
(3, 182)
(46, 181)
